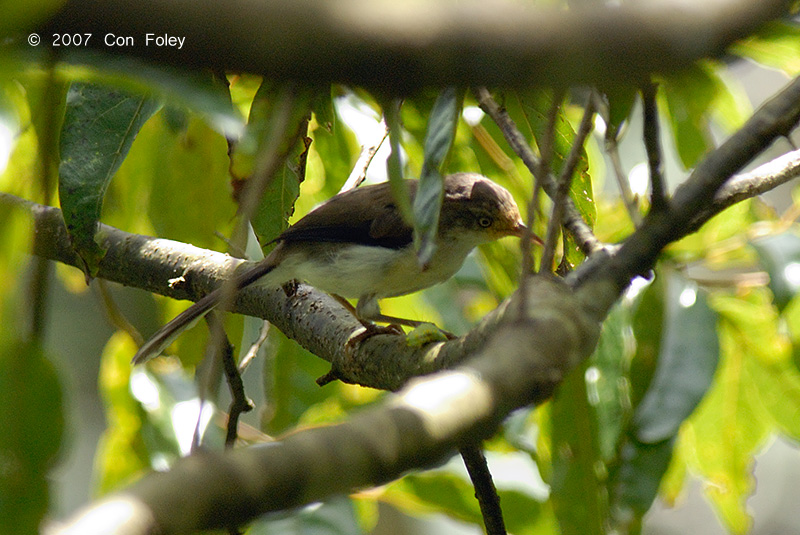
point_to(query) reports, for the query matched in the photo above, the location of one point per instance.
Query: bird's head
(475, 206)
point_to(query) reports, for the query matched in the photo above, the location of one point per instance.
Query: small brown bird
(357, 245)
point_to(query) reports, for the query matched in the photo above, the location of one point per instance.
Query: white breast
(354, 271)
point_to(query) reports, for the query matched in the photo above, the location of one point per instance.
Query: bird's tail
(167, 334)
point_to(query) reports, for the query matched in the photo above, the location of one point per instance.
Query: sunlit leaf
(167, 173)
(776, 44)
(725, 431)
(689, 98)
(121, 453)
(100, 125)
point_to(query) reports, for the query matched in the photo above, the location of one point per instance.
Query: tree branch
(570, 217)
(389, 45)
(689, 207)
(312, 318)
(652, 144)
(520, 363)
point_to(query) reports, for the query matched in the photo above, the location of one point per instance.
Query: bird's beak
(519, 231)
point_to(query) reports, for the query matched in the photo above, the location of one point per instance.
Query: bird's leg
(366, 321)
(368, 311)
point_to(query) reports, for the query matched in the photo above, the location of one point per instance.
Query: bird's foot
(370, 330)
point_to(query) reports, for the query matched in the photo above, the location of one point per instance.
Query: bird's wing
(367, 216)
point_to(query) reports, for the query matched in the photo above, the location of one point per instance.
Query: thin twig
(359, 173)
(48, 159)
(267, 164)
(743, 186)
(652, 143)
(629, 200)
(239, 401)
(255, 347)
(485, 491)
(115, 315)
(546, 143)
(571, 218)
(564, 184)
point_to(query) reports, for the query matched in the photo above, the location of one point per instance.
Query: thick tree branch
(402, 47)
(520, 363)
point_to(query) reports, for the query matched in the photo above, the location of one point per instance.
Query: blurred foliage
(695, 371)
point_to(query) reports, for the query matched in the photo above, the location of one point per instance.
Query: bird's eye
(485, 221)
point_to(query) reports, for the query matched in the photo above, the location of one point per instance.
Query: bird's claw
(370, 330)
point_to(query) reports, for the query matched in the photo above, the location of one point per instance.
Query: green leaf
(726, 431)
(534, 108)
(264, 127)
(636, 480)
(448, 493)
(757, 321)
(289, 383)
(100, 125)
(121, 453)
(776, 44)
(690, 97)
(336, 516)
(322, 106)
(687, 358)
(648, 327)
(620, 105)
(198, 91)
(607, 390)
(428, 200)
(394, 167)
(686, 363)
(578, 480)
(32, 421)
(780, 257)
(687, 97)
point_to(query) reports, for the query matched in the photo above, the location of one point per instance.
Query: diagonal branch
(691, 205)
(570, 218)
(520, 363)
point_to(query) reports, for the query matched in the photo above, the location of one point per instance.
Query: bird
(357, 245)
